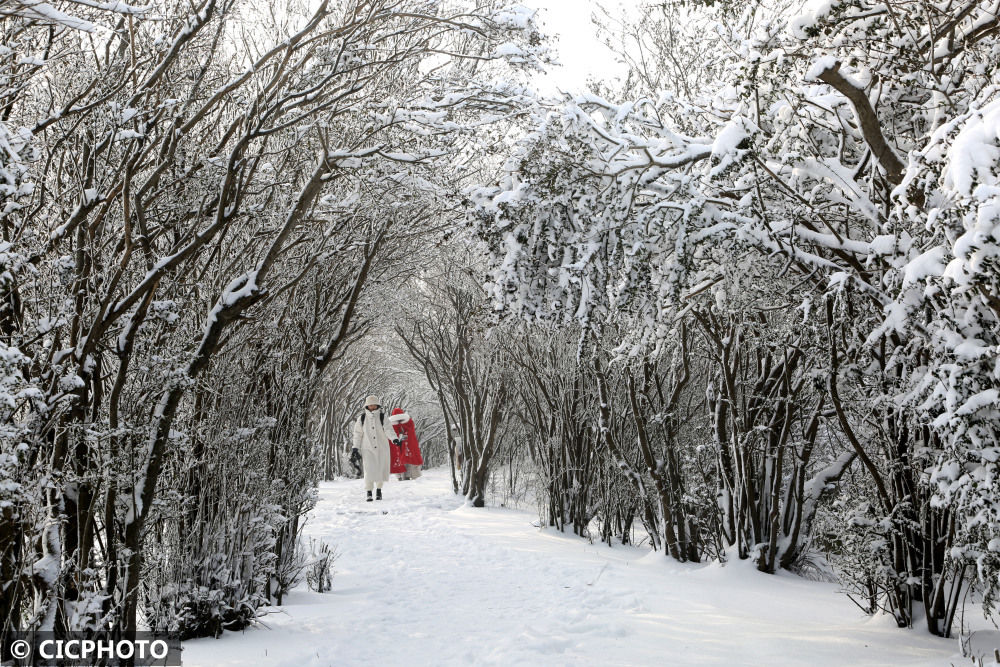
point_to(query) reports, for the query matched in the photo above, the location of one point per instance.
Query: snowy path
(436, 583)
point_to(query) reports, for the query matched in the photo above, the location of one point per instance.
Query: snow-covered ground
(433, 582)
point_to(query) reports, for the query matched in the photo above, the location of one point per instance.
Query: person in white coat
(372, 435)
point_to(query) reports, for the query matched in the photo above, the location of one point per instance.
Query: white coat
(372, 440)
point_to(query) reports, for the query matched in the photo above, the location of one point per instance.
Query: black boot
(369, 498)
(378, 494)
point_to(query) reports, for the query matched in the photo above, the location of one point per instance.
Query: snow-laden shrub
(319, 570)
(213, 576)
(951, 295)
(190, 610)
(218, 595)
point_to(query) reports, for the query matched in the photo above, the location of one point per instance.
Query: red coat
(406, 431)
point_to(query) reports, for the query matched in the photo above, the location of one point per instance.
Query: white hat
(372, 400)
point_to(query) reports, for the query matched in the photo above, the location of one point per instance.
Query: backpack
(381, 417)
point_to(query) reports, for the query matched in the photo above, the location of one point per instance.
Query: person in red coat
(406, 431)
